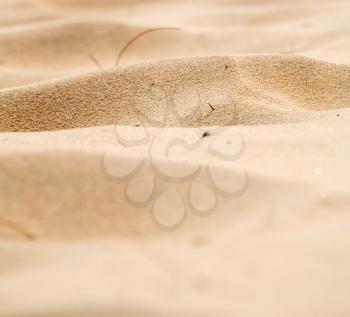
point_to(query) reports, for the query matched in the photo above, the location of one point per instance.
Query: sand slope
(243, 90)
(205, 174)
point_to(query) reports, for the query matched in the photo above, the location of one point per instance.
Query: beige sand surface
(207, 174)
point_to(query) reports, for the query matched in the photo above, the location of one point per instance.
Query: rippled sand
(174, 158)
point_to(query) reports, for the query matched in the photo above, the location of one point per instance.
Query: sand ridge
(244, 90)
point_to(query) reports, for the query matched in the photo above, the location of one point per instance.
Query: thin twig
(17, 228)
(209, 113)
(95, 61)
(132, 40)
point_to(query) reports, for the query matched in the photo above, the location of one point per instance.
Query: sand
(202, 172)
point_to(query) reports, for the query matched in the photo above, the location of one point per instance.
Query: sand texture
(174, 158)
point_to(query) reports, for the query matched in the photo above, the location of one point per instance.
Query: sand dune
(243, 90)
(201, 170)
